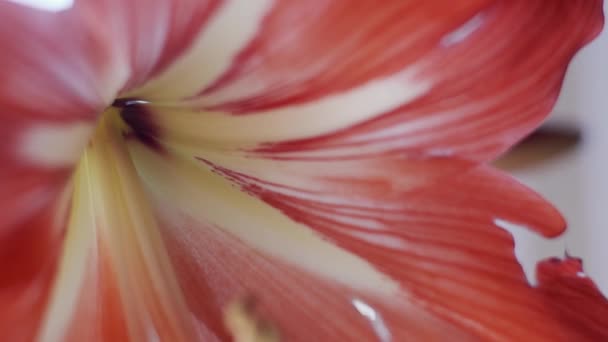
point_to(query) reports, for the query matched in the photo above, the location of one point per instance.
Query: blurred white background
(576, 181)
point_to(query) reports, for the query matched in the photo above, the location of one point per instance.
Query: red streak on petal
(188, 18)
(439, 241)
(178, 23)
(490, 90)
(332, 46)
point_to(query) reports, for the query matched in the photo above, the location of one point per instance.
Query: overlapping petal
(338, 158)
(320, 156)
(421, 77)
(440, 242)
(300, 279)
(47, 114)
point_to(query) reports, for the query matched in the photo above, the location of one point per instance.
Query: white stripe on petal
(227, 33)
(199, 194)
(310, 119)
(54, 145)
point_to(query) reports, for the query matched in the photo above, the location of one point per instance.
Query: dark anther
(137, 115)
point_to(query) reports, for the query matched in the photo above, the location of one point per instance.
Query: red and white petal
(60, 68)
(332, 47)
(324, 116)
(227, 245)
(494, 80)
(228, 27)
(149, 36)
(55, 77)
(413, 77)
(51, 91)
(218, 202)
(439, 241)
(83, 292)
(435, 246)
(216, 268)
(104, 56)
(114, 278)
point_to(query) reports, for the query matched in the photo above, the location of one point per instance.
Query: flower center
(137, 117)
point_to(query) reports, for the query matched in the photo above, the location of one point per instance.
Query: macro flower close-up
(265, 170)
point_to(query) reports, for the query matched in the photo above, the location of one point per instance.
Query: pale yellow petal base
(109, 209)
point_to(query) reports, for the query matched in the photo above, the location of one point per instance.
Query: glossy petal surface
(319, 163)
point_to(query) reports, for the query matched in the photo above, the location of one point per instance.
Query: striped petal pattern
(182, 170)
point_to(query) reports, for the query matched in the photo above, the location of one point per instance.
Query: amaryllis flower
(188, 170)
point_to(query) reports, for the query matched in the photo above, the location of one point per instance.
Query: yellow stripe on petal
(77, 258)
(110, 209)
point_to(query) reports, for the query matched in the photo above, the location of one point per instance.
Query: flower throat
(137, 116)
